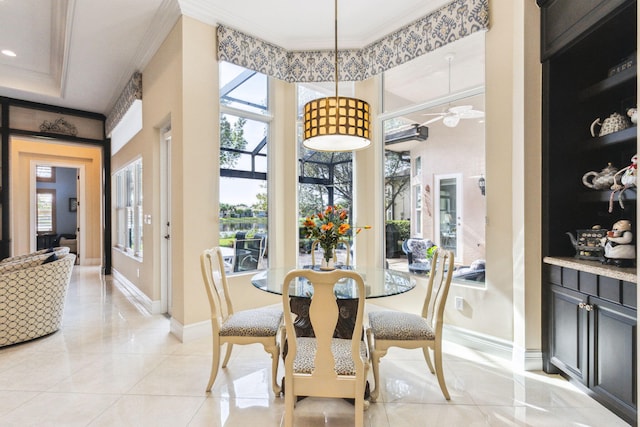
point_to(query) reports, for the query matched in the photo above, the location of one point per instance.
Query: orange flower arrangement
(328, 227)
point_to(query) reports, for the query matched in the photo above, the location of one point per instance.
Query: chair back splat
(325, 366)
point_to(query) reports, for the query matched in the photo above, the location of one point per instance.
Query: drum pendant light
(336, 123)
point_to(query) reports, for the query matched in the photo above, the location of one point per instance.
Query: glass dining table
(379, 282)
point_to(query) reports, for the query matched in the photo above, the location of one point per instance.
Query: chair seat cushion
(341, 349)
(259, 322)
(396, 325)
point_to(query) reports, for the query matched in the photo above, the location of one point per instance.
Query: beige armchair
(32, 298)
(41, 254)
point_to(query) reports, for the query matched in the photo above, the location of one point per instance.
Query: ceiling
(80, 53)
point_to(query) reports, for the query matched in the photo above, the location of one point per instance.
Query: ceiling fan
(451, 117)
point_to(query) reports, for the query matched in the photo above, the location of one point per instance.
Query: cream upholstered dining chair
(315, 244)
(390, 328)
(324, 366)
(260, 325)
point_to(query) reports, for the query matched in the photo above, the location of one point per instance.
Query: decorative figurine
(619, 249)
(633, 115)
(588, 243)
(625, 178)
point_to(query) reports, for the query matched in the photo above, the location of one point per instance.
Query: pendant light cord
(336, 45)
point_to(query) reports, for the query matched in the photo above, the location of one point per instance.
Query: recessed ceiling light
(8, 52)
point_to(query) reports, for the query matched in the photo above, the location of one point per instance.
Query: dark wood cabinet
(592, 335)
(578, 88)
(565, 21)
(612, 349)
(569, 337)
(589, 314)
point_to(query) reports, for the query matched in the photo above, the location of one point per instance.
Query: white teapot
(602, 180)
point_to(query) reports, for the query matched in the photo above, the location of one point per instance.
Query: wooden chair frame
(312, 364)
(256, 325)
(429, 324)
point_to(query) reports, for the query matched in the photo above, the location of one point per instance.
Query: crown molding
(163, 21)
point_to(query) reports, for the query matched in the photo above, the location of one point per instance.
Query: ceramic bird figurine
(625, 178)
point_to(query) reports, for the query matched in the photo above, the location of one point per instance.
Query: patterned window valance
(131, 92)
(451, 22)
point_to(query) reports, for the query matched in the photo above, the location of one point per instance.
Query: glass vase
(327, 265)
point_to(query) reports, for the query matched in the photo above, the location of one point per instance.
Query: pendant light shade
(336, 123)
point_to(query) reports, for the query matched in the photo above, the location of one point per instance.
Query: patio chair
(416, 250)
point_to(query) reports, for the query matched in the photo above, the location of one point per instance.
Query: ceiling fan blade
(432, 120)
(460, 109)
(472, 114)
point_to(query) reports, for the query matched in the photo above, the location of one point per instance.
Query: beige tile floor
(113, 364)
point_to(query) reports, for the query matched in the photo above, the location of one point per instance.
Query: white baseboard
(132, 290)
(526, 360)
(521, 359)
(191, 332)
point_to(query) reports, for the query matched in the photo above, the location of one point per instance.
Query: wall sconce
(482, 184)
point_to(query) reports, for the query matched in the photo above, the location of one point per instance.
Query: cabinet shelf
(612, 139)
(624, 77)
(630, 194)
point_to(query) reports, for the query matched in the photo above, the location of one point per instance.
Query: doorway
(56, 213)
(448, 213)
(26, 154)
(56, 206)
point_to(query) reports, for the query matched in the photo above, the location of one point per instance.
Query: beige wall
(180, 87)
(161, 103)
(196, 192)
(22, 153)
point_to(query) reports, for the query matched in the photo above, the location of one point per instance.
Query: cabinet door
(568, 338)
(564, 21)
(613, 350)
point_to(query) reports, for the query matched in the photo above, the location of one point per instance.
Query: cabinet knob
(581, 305)
(588, 307)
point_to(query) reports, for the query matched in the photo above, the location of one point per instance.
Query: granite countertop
(595, 267)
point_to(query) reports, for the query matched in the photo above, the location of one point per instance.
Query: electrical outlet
(459, 303)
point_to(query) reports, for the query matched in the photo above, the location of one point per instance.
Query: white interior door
(165, 224)
(78, 216)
